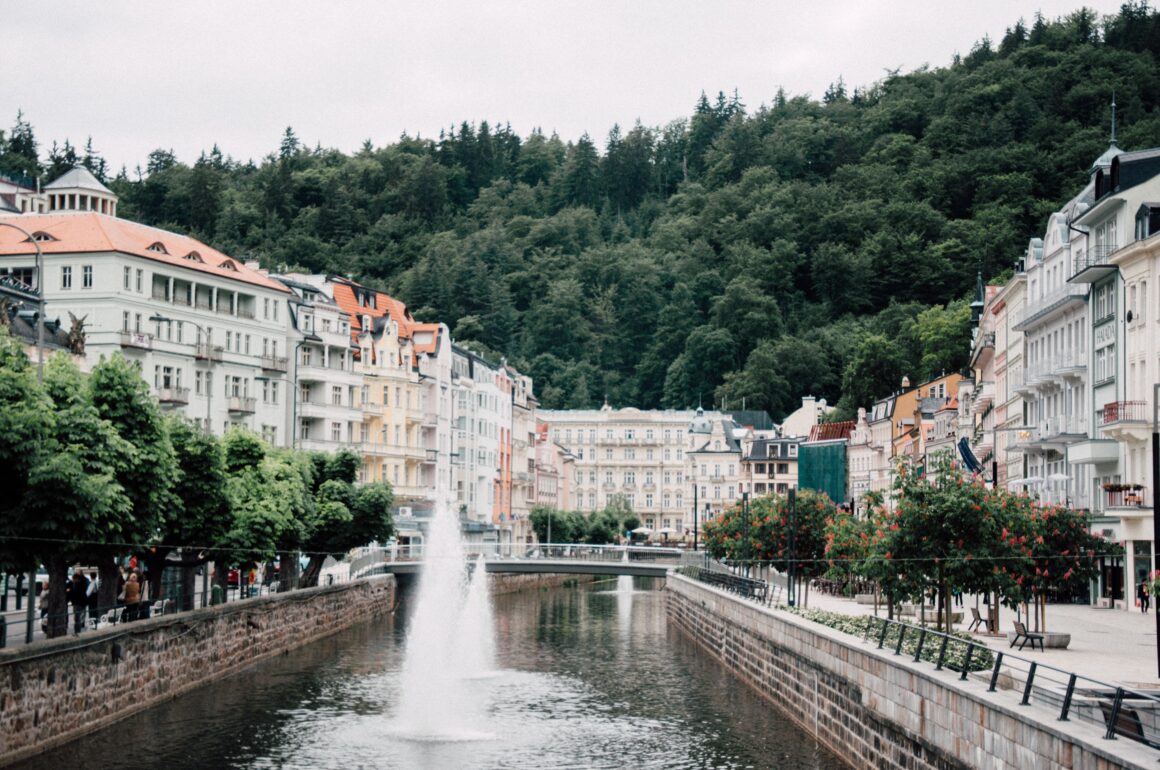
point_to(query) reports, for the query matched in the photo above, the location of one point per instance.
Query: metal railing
(1120, 711)
(1124, 411)
(366, 560)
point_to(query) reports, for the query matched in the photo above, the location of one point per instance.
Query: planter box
(1051, 640)
(864, 598)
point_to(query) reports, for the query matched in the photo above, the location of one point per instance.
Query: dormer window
(40, 237)
(228, 264)
(193, 256)
(158, 247)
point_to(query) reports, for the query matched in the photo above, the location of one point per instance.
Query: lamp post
(694, 475)
(158, 319)
(30, 617)
(1155, 481)
(790, 576)
(745, 533)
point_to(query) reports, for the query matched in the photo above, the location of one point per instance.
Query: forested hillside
(802, 246)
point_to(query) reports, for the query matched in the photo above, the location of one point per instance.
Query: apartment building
(641, 455)
(196, 320)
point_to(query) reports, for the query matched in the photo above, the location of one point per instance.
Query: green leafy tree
(147, 472)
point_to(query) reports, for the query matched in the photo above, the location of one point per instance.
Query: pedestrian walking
(94, 597)
(78, 597)
(132, 597)
(1142, 598)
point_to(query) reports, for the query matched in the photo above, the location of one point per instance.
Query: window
(783, 468)
(716, 492)
(608, 477)
(648, 454)
(229, 340)
(648, 435)
(607, 454)
(680, 500)
(336, 395)
(124, 320)
(591, 477)
(137, 322)
(87, 277)
(140, 280)
(336, 431)
(648, 501)
(629, 478)
(629, 433)
(630, 454)
(648, 477)
(127, 277)
(247, 348)
(66, 277)
(266, 307)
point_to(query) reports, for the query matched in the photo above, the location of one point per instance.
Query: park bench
(978, 620)
(1127, 723)
(1021, 632)
(748, 587)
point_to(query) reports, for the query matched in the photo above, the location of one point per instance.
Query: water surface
(587, 678)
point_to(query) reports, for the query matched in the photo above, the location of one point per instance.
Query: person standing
(94, 597)
(1142, 598)
(132, 597)
(78, 597)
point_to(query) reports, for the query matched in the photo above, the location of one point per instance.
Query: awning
(969, 458)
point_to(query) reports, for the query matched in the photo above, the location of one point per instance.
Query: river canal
(588, 678)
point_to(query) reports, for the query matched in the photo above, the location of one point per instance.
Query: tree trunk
(221, 578)
(57, 619)
(110, 578)
(806, 603)
(890, 606)
(188, 600)
(287, 570)
(313, 567)
(155, 564)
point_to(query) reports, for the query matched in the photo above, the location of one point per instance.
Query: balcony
(1043, 308)
(173, 396)
(137, 340)
(1125, 420)
(1129, 496)
(984, 397)
(242, 404)
(431, 456)
(274, 363)
(1123, 411)
(1094, 264)
(205, 352)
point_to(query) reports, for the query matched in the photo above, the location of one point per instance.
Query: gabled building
(194, 319)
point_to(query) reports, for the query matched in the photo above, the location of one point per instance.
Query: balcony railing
(174, 396)
(274, 363)
(1124, 498)
(1040, 306)
(1095, 255)
(1124, 411)
(205, 352)
(137, 340)
(242, 404)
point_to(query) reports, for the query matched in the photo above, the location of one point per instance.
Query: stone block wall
(875, 710)
(58, 690)
(514, 582)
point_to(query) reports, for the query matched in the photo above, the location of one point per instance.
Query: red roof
(90, 232)
(831, 431)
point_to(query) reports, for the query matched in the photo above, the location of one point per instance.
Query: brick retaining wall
(873, 709)
(514, 582)
(55, 691)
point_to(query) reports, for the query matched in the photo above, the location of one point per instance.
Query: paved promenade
(1110, 645)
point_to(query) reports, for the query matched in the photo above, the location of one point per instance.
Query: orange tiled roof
(385, 304)
(89, 232)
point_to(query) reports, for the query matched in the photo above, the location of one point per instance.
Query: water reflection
(583, 683)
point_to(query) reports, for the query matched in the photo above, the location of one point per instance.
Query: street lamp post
(694, 510)
(745, 533)
(30, 617)
(790, 576)
(1155, 517)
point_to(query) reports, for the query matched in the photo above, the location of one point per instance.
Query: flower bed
(981, 660)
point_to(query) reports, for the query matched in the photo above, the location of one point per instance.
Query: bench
(1127, 724)
(977, 620)
(1021, 632)
(748, 587)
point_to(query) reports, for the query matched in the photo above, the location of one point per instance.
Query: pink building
(555, 473)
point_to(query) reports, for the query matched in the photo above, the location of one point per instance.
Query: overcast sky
(136, 75)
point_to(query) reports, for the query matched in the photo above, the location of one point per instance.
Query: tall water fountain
(450, 643)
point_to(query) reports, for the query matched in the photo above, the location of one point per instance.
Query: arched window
(159, 247)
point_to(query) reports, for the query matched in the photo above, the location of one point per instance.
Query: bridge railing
(365, 560)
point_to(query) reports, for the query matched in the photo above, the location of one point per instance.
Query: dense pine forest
(802, 246)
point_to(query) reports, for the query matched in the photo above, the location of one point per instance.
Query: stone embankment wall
(510, 583)
(873, 709)
(56, 691)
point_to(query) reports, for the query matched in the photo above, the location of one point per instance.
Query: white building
(195, 319)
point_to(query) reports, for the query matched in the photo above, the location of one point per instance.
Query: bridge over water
(557, 558)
